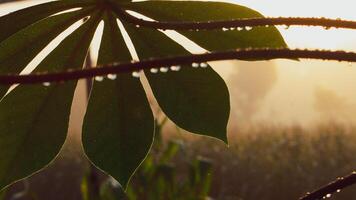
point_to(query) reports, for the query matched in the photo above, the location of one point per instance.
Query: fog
(290, 92)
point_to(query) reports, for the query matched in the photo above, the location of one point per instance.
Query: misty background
(278, 99)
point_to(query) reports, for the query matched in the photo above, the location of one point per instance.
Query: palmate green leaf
(34, 118)
(212, 40)
(118, 126)
(20, 48)
(196, 99)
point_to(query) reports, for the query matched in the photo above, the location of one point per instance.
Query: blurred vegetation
(281, 163)
(262, 162)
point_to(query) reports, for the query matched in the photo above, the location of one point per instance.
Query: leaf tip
(223, 137)
(219, 134)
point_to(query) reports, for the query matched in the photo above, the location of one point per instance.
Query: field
(262, 162)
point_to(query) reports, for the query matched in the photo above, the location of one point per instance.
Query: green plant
(118, 128)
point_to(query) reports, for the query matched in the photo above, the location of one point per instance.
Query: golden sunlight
(293, 95)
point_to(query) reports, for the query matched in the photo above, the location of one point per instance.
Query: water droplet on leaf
(136, 74)
(164, 69)
(112, 76)
(99, 78)
(203, 65)
(175, 68)
(195, 65)
(154, 70)
(46, 84)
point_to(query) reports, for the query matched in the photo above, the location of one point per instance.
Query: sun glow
(293, 97)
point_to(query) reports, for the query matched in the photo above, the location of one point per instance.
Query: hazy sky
(294, 97)
(293, 92)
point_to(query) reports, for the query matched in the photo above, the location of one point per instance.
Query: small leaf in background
(196, 99)
(212, 40)
(34, 118)
(118, 127)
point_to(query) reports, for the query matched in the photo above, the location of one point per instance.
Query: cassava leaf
(20, 48)
(30, 15)
(118, 126)
(212, 40)
(34, 118)
(196, 99)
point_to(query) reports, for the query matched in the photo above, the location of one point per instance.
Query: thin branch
(247, 22)
(241, 54)
(331, 188)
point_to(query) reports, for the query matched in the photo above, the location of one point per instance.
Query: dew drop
(137, 26)
(248, 28)
(46, 84)
(232, 28)
(112, 76)
(328, 195)
(225, 29)
(164, 69)
(175, 68)
(195, 65)
(240, 28)
(99, 78)
(203, 65)
(136, 74)
(154, 70)
(338, 190)
(267, 26)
